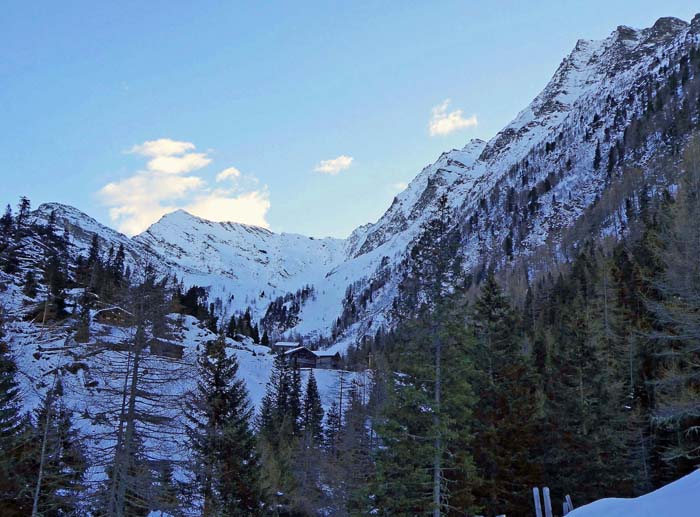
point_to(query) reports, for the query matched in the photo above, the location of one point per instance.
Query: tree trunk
(437, 459)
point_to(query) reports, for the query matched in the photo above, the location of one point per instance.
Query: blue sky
(316, 112)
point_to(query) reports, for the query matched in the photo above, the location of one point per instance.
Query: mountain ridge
(508, 197)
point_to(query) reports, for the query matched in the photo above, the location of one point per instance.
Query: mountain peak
(669, 25)
(181, 218)
(626, 33)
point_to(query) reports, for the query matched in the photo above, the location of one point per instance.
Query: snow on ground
(678, 499)
(93, 375)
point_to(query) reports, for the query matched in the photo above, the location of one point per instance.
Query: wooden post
(547, 502)
(538, 502)
(568, 501)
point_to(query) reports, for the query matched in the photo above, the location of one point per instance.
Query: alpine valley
(576, 170)
(520, 195)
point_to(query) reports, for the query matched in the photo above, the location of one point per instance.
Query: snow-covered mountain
(520, 193)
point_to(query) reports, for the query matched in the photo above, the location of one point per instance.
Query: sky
(304, 117)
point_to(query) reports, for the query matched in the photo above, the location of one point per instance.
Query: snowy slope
(243, 265)
(93, 375)
(591, 100)
(678, 499)
(81, 227)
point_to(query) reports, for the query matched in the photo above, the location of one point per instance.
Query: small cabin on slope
(166, 349)
(327, 360)
(113, 316)
(284, 346)
(301, 357)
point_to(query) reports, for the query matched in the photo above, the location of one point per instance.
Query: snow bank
(678, 499)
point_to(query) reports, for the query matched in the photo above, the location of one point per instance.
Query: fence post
(547, 502)
(538, 503)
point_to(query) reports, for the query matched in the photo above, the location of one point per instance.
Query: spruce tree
(353, 466)
(296, 404)
(6, 222)
(505, 416)
(312, 421)
(23, 209)
(94, 252)
(17, 447)
(276, 424)
(332, 428)
(225, 461)
(406, 426)
(231, 329)
(308, 453)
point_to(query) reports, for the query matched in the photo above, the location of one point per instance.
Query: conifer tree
(296, 403)
(308, 453)
(312, 421)
(61, 460)
(23, 208)
(588, 404)
(353, 466)
(16, 444)
(597, 158)
(226, 464)
(276, 431)
(231, 329)
(406, 426)
(94, 252)
(6, 222)
(30, 284)
(332, 428)
(276, 405)
(677, 390)
(507, 406)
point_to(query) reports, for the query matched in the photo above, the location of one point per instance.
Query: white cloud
(443, 123)
(399, 186)
(178, 164)
(141, 199)
(162, 147)
(225, 174)
(334, 166)
(171, 156)
(222, 205)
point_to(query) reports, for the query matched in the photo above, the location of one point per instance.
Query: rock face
(528, 185)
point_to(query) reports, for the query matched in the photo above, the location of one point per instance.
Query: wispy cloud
(399, 186)
(229, 173)
(334, 166)
(443, 122)
(166, 184)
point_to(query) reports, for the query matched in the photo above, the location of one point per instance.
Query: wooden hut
(113, 316)
(301, 357)
(167, 349)
(327, 360)
(284, 346)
